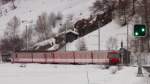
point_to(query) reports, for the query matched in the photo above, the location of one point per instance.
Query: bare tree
(9, 44)
(68, 24)
(43, 27)
(5, 1)
(11, 40)
(122, 9)
(81, 46)
(12, 27)
(28, 37)
(14, 6)
(100, 6)
(0, 12)
(59, 16)
(111, 43)
(53, 20)
(97, 6)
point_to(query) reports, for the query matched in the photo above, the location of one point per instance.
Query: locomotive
(68, 57)
(114, 58)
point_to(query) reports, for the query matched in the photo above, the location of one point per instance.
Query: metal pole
(127, 36)
(65, 37)
(122, 51)
(26, 38)
(140, 73)
(87, 75)
(99, 37)
(128, 58)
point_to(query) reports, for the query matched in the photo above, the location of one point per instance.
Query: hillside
(112, 29)
(29, 10)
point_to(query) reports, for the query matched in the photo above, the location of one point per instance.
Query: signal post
(140, 31)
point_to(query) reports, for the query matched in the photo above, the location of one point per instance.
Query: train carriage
(83, 57)
(100, 57)
(49, 57)
(63, 57)
(39, 57)
(22, 57)
(68, 57)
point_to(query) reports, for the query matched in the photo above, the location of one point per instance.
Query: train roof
(36, 51)
(114, 52)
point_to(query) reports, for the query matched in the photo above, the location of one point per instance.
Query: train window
(115, 55)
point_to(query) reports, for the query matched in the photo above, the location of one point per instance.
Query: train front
(114, 57)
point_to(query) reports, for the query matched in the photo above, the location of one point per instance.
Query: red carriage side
(68, 57)
(63, 57)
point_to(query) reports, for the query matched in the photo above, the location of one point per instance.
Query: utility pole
(99, 37)
(27, 25)
(127, 28)
(122, 52)
(65, 37)
(26, 38)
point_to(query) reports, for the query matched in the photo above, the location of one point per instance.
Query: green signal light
(136, 33)
(143, 29)
(140, 30)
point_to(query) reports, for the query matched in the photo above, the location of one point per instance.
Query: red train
(69, 57)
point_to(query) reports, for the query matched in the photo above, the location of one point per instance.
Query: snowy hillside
(29, 10)
(112, 29)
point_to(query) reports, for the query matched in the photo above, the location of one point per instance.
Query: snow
(67, 74)
(29, 10)
(113, 29)
(50, 42)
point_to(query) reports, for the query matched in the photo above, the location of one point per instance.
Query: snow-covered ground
(68, 74)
